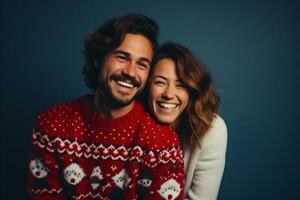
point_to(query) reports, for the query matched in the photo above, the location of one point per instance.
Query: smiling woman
(169, 96)
(181, 94)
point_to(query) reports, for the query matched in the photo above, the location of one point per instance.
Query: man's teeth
(168, 105)
(125, 84)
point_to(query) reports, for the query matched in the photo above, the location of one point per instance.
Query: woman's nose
(169, 93)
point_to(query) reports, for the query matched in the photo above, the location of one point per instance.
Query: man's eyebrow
(142, 59)
(121, 52)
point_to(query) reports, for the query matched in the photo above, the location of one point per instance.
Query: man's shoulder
(61, 109)
(59, 113)
(156, 134)
(147, 121)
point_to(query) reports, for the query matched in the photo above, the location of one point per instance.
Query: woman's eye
(159, 83)
(181, 85)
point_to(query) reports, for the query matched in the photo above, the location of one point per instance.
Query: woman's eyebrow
(160, 76)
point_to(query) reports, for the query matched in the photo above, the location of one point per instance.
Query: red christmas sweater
(77, 154)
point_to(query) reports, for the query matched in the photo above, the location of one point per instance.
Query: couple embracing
(150, 130)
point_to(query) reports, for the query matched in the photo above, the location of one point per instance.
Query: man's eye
(143, 65)
(122, 58)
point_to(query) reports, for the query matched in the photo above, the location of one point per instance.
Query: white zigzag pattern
(83, 149)
(42, 141)
(45, 190)
(90, 195)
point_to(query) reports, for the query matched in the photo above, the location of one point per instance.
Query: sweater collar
(91, 116)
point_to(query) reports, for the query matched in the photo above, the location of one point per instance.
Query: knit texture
(76, 154)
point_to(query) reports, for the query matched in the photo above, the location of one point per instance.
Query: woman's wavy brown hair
(203, 102)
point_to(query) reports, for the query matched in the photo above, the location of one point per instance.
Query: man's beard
(112, 101)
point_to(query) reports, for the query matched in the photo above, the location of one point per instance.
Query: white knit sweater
(205, 166)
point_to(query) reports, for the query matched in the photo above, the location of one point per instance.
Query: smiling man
(123, 75)
(104, 145)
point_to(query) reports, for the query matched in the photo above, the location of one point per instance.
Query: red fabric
(79, 155)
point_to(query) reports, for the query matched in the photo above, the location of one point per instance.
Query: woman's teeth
(167, 105)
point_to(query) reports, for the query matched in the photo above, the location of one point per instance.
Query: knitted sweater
(77, 154)
(205, 166)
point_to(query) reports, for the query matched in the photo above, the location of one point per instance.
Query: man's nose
(130, 69)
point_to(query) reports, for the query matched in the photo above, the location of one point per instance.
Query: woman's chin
(165, 119)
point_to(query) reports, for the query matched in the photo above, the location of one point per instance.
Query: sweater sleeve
(161, 173)
(166, 171)
(210, 164)
(43, 179)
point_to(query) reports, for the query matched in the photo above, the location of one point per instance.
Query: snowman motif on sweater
(73, 174)
(39, 171)
(170, 189)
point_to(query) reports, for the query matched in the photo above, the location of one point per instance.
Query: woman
(181, 94)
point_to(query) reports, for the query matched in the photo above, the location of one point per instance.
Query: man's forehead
(137, 46)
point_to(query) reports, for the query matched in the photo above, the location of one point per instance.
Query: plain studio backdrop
(252, 50)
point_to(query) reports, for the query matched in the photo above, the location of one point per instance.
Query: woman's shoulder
(217, 133)
(218, 124)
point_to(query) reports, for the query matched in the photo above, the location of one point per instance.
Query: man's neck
(102, 108)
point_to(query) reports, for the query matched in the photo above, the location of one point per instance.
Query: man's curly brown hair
(111, 35)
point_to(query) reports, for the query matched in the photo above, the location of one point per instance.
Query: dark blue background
(251, 48)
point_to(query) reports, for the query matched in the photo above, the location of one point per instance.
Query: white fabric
(206, 165)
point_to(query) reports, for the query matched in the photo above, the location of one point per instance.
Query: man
(105, 146)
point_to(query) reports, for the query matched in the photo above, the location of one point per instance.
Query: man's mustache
(126, 78)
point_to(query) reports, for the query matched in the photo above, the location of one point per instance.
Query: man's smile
(125, 84)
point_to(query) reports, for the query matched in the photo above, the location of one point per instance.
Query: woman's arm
(210, 164)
